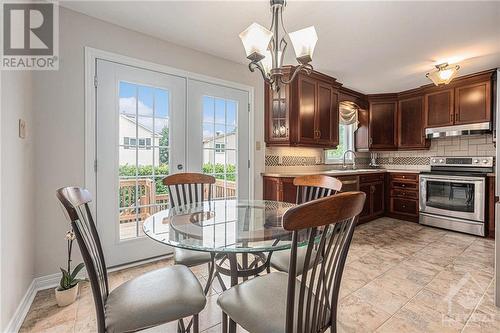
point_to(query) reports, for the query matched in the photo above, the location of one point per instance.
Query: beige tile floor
(399, 277)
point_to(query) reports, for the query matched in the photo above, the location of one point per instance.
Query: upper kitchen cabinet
(439, 108)
(466, 100)
(473, 103)
(411, 123)
(304, 113)
(382, 127)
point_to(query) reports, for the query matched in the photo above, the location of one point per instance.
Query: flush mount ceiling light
(265, 48)
(443, 74)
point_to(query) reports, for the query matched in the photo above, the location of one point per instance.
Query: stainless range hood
(470, 129)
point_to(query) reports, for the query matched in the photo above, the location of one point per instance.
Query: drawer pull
(349, 182)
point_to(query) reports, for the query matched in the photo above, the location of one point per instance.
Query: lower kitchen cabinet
(373, 186)
(403, 196)
(279, 189)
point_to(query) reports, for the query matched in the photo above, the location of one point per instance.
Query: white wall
(59, 115)
(17, 193)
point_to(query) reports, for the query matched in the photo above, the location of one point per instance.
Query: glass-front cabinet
(278, 116)
(304, 112)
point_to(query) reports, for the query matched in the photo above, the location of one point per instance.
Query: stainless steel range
(452, 194)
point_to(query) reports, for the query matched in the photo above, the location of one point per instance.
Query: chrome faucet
(353, 159)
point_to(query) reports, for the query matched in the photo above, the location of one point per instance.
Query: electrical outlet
(257, 145)
(22, 128)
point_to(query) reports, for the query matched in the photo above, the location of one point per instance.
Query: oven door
(453, 196)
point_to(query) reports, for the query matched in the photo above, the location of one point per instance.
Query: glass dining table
(226, 228)
(240, 233)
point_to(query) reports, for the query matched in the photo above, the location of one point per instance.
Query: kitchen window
(346, 142)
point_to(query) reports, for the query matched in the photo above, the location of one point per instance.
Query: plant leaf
(77, 269)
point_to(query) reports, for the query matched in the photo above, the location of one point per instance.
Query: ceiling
(372, 47)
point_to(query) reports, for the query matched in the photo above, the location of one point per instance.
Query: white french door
(140, 124)
(218, 136)
(149, 125)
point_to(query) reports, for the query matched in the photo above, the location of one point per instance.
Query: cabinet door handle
(319, 134)
(371, 141)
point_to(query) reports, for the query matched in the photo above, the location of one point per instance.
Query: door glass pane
(450, 196)
(220, 150)
(143, 154)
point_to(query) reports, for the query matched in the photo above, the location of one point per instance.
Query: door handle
(180, 167)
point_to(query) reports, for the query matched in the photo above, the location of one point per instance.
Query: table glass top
(223, 226)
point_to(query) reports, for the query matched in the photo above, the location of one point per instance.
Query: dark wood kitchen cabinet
(303, 113)
(439, 108)
(411, 124)
(467, 100)
(279, 189)
(473, 103)
(382, 126)
(373, 186)
(403, 196)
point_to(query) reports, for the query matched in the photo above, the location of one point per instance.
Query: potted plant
(67, 290)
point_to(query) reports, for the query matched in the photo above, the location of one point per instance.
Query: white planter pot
(66, 297)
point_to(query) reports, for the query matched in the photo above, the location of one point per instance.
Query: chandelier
(266, 49)
(443, 74)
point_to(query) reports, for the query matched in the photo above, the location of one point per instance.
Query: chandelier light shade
(303, 42)
(266, 48)
(256, 40)
(443, 74)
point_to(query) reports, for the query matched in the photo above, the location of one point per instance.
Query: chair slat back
(187, 188)
(315, 186)
(332, 219)
(76, 203)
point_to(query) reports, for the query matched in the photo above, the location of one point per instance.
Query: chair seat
(154, 298)
(191, 258)
(259, 305)
(281, 260)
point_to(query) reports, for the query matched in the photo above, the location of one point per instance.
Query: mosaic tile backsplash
(312, 158)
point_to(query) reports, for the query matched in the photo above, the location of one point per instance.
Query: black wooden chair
(149, 300)
(308, 188)
(184, 189)
(279, 302)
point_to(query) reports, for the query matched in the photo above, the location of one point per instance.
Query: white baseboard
(51, 281)
(22, 310)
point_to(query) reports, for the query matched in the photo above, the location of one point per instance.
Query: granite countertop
(337, 172)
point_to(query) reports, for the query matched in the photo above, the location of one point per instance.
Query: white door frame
(91, 56)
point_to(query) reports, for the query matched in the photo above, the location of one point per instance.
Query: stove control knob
(433, 160)
(441, 160)
(485, 161)
(476, 161)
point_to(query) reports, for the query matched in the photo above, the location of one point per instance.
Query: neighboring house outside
(220, 143)
(143, 138)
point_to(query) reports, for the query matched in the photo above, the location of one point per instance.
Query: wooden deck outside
(138, 206)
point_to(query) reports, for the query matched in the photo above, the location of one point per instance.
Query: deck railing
(138, 199)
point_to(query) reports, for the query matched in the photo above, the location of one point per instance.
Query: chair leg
(211, 269)
(196, 324)
(224, 322)
(180, 326)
